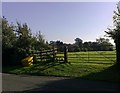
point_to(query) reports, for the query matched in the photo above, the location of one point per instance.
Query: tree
(8, 43)
(39, 41)
(86, 45)
(103, 44)
(0, 37)
(17, 41)
(8, 36)
(52, 43)
(78, 42)
(59, 45)
(114, 33)
(95, 46)
(0, 32)
(24, 36)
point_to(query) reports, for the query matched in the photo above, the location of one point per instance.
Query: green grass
(78, 68)
(104, 57)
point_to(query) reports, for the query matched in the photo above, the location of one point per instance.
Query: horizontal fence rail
(47, 55)
(94, 56)
(99, 57)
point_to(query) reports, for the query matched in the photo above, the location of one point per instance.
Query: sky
(59, 0)
(63, 21)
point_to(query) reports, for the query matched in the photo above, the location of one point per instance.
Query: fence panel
(48, 55)
(93, 56)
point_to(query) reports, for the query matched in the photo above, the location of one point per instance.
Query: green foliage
(17, 41)
(0, 30)
(8, 43)
(101, 44)
(8, 36)
(114, 33)
(12, 56)
(24, 38)
(59, 45)
(78, 42)
(38, 41)
(104, 44)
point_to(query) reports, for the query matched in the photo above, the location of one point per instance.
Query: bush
(13, 56)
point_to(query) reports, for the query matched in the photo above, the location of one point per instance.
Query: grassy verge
(86, 71)
(104, 71)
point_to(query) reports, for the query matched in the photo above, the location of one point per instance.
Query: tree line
(17, 41)
(100, 44)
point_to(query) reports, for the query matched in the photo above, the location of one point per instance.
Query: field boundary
(93, 56)
(76, 57)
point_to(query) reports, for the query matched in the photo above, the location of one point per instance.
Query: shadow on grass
(78, 84)
(72, 84)
(47, 64)
(110, 74)
(88, 84)
(36, 69)
(9, 68)
(41, 66)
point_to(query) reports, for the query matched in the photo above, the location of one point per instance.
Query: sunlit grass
(78, 68)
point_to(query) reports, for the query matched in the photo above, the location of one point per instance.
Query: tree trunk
(65, 54)
(118, 52)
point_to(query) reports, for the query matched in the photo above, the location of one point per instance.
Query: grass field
(87, 65)
(95, 57)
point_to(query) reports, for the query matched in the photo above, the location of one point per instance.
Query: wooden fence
(91, 57)
(50, 55)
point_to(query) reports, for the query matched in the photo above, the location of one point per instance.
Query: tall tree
(8, 43)
(40, 41)
(59, 45)
(24, 36)
(8, 36)
(0, 39)
(115, 32)
(78, 42)
(104, 44)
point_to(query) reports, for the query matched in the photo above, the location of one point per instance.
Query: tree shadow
(36, 69)
(75, 85)
(9, 68)
(72, 84)
(48, 64)
(111, 74)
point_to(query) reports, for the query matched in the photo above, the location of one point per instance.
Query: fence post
(41, 55)
(53, 53)
(88, 56)
(65, 54)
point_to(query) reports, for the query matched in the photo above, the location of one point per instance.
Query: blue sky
(63, 21)
(59, 0)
